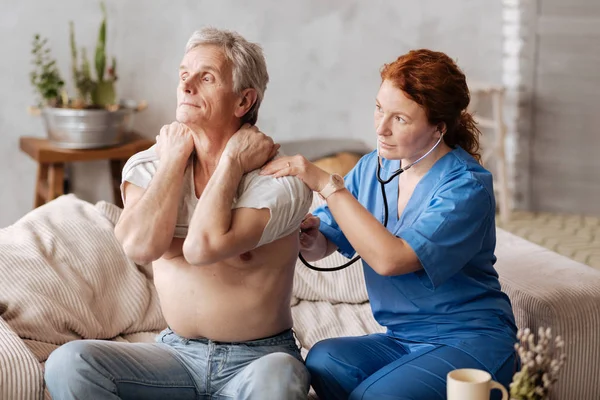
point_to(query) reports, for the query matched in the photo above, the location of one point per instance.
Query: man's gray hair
(248, 65)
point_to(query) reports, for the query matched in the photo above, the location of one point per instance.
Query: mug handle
(496, 385)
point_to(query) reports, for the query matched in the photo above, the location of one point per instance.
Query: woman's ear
(247, 100)
(441, 128)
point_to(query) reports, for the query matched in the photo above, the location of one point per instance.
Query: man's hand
(250, 148)
(174, 141)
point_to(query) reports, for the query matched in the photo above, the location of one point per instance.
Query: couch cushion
(65, 276)
(334, 321)
(21, 376)
(345, 286)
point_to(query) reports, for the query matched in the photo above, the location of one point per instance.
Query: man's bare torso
(238, 299)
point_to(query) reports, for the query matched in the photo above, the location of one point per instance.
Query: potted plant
(94, 117)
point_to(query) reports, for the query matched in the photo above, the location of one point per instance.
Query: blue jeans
(382, 367)
(177, 368)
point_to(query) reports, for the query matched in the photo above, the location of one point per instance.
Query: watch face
(338, 181)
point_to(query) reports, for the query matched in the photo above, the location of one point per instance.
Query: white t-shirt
(288, 199)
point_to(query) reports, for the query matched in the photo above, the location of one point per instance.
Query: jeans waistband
(284, 337)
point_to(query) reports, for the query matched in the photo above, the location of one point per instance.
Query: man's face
(205, 97)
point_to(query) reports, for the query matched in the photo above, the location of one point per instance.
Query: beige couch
(65, 277)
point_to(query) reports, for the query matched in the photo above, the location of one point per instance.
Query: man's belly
(238, 299)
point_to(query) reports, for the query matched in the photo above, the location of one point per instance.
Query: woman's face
(403, 131)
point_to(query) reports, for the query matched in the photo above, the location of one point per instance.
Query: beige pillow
(65, 276)
(345, 286)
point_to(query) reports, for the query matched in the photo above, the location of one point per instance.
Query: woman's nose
(381, 127)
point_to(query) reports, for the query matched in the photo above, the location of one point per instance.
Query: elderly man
(223, 241)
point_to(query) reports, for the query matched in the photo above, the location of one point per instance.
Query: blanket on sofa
(65, 276)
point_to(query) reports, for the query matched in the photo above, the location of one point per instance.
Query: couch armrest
(21, 375)
(550, 290)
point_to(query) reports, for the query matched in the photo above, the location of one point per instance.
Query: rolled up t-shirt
(288, 199)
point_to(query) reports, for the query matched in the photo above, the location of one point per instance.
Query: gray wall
(323, 59)
(565, 167)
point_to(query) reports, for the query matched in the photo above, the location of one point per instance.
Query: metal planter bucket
(87, 129)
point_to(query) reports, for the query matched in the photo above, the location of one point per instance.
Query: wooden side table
(52, 159)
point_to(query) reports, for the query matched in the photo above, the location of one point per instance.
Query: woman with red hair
(430, 270)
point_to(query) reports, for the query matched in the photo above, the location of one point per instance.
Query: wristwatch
(336, 182)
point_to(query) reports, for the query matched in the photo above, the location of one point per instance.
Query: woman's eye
(184, 77)
(400, 119)
(378, 108)
(208, 78)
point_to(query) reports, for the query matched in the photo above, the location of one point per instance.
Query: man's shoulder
(287, 196)
(147, 159)
(288, 186)
(141, 168)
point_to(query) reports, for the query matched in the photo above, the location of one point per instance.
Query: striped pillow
(345, 286)
(65, 276)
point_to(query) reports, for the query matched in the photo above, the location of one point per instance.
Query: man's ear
(246, 101)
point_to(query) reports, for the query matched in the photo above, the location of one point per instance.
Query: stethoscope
(382, 184)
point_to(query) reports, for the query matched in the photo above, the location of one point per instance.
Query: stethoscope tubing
(382, 183)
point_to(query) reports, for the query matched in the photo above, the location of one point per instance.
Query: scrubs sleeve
(450, 232)
(329, 227)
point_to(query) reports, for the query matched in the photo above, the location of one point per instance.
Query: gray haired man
(223, 241)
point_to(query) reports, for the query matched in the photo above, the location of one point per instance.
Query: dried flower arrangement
(541, 363)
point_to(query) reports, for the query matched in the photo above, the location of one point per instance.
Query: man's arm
(217, 232)
(147, 224)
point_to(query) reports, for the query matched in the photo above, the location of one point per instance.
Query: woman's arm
(313, 244)
(385, 253)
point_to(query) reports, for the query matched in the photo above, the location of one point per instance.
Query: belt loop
(297, 340)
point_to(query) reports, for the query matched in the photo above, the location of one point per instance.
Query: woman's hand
(312, 176)
(250, 148)
(309, 233)
(175, 140)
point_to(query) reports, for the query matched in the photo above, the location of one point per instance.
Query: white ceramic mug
(472, 384)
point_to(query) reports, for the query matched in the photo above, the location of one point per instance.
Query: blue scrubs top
(449, 222)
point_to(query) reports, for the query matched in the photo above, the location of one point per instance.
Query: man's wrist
(232, 163)
(173, 163)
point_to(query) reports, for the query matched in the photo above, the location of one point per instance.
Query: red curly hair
(434, 81)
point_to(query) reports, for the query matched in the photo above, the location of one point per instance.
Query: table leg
(56, 177)
(116, 168)
(41, 185)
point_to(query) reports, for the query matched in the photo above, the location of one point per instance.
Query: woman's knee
(321, 355)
